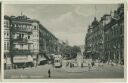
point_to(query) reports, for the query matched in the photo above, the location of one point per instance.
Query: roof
(27, 21)
(23, 18)
(43, 28)
(6, 17)
(95, 22)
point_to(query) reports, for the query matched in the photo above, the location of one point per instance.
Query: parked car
(43, 62)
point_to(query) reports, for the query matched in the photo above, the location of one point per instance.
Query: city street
(64, 41)
(41, 72)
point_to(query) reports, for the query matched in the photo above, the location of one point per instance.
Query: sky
(68, 22)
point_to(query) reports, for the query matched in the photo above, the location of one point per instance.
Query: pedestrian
(23, 65)
(49, 73)
(92, 64)
(81, 64)
(89, 66)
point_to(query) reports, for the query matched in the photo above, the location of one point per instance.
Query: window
(21, 46)
(24, 26)
(4, 33)
(18, 25)
(14, 25)
(22, 35)
(28, 37)
(34, 27)
(7, 34)
(7, 45)
(4, 45)
(19, 35)
(21, 26)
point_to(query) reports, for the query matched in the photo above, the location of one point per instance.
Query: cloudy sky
(65, 21)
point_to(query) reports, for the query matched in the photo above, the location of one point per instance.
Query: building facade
(94, 40)
(48, 43)
(26, 40)
(7, 22)
(105, 38)
(114, 37)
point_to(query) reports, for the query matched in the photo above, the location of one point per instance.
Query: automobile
(29, 64)
(43, 62)
(23, 65)
(19, 65)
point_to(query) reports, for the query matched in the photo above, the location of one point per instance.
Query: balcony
(21, 52)
(20, 40)
(25, 30)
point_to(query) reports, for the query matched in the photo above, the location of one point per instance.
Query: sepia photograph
(63, 41)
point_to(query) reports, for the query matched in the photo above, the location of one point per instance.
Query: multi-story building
(104, 20)
(26, 40)
(94, 40)
(105, 39)
(48, 43)
(7, 60)
(114, 37)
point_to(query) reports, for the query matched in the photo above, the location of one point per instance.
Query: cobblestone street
(41, 72)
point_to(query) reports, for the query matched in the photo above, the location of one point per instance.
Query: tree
(70, 52)
(74, 51)
(66, 51)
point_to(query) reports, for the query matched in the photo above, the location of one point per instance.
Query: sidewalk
(80, 69)
(74, 72)
(101, 68)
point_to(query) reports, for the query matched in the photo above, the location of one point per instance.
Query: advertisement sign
(20, 59)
